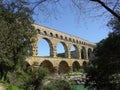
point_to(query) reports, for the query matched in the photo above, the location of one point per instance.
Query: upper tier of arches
(83, 48)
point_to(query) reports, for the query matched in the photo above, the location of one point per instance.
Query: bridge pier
(53, 52)
(68, 54)
(56, 70)
(71, 69)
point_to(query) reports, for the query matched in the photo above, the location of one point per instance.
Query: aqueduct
(55, 64)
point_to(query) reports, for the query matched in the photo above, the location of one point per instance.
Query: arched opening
(38, 31)
(51, 34)
(75, 66)
(66, 38)
(74, 40)
(85, 66)
(56, 35)
(61, 50)
(44, 32)
(45, 47)
(83, 53)
(63, 67)
(77, 41)
(70, 39)
(47, 64)
(74, 51)
(61, 37)
(89, 53)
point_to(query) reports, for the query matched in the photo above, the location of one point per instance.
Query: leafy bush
(58, 85)
(10, 87)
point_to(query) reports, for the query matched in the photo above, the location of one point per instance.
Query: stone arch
(50, 45)
(74, 40)
(47, 64)
(44, 32)
(65, 54)
(89, 53)
(66, 38)
(63, 67)
(51, 34)
(83, 53)
(61, 37)
(38, 31)
(75, 66)
(82, 42)
(74, 53)
(77, 41)
(56, 35)
(70, 39)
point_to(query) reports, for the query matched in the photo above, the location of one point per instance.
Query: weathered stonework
(83, 48)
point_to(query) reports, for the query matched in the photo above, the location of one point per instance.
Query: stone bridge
(83, 51)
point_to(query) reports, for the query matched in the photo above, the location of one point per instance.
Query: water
(79, 87)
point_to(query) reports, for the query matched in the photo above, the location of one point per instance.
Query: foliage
(58, 85)
(114, 23)
(11, 87)
(7, 86)
(104, 71)
(16, 36)
(36, 75)
(30, 78)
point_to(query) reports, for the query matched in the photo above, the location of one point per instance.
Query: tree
(111, 6)
(30, 78)
(35, 75)
(114, 23)
(16, 35)
(104, 71)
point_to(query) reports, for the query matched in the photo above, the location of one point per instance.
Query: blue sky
(89, 28)
(92, 29)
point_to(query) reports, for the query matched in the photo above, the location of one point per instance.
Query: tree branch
(38, 4)
(107, 8)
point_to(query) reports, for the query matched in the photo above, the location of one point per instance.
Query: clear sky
(91, 29)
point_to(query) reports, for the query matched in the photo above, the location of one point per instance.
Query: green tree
(104, 70)
(30, 78)
(35, 75)
(16, 35)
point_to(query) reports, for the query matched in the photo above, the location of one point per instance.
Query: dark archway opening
(63, 68)
(76, 66)
(89, 53)
(85, 66)
(47, 64)
(83, 53)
